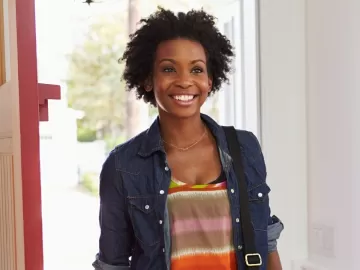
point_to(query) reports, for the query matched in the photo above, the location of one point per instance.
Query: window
(239, 102)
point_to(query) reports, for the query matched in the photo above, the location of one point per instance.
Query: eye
(197, 70)
(168, 69)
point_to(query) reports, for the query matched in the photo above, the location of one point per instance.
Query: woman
(170, 196)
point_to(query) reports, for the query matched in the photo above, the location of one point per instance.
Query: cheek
(160, 89)
(204, 86)
(161, 83)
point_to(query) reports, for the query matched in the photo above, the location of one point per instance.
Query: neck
(181, 132)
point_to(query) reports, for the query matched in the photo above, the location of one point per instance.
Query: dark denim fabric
(133, 211)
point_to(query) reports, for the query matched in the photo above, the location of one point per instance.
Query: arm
(274, 261)
(275, 226)
(116, 237)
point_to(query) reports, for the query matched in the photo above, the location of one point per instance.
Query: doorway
(78, 46)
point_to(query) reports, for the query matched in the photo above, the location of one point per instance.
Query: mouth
(184, 100)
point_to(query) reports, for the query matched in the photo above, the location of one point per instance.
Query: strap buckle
(253, 259)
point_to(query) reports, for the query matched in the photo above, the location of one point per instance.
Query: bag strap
(252, 258)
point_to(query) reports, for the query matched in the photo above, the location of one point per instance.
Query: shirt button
(166, 168)
(160, 221)
(239, 247)
(237, 220)
(147, 207)
(260, 195)
(162, 192)
(163, 249)
(232, 190)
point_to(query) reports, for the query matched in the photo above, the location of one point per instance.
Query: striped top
(201, 231)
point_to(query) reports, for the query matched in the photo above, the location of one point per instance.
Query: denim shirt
(134, 219)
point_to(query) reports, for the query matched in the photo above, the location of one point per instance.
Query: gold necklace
(190, 146)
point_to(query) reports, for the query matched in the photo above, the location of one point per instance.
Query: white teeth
(184, 97)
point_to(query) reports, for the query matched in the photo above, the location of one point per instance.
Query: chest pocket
(259, 206)
(144, 219)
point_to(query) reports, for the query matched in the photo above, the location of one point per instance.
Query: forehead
(180, 49)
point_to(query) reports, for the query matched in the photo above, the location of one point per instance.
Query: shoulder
(125, 154)
(248, 139)
(249, 142)
(118, 159)
(130, 147)
(251, 150)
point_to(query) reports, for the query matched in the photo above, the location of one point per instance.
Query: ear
(210, 83)
(148, 85)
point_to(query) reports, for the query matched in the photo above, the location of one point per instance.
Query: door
(23, 103)
(33, 107)
(29, 125)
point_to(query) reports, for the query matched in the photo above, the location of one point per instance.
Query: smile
(184, 100)
(184, 97)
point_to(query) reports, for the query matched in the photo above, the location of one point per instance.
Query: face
(181, 83)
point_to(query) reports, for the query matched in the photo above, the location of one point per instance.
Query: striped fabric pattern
(200, 227)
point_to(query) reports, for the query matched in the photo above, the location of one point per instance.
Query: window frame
(240, 101)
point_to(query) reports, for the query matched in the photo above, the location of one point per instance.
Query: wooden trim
(29, 125)
(7, 213)
(2, 45)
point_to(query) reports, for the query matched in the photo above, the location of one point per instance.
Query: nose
(184, 80)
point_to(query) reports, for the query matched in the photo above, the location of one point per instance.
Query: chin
(183, 113)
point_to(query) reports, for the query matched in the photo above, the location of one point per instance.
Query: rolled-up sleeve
(275, 227)
(116, 235)
(99, 265)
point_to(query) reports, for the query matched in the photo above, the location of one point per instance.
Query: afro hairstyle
(163, 25)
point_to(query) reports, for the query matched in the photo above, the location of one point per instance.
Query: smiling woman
(2, 44)
(187, 193)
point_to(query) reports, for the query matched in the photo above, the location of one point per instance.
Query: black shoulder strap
(252, 258)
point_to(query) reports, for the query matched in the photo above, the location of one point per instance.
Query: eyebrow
(174, 62)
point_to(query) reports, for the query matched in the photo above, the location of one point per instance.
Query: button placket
(162, 192)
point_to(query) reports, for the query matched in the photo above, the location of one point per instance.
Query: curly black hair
(195, 25)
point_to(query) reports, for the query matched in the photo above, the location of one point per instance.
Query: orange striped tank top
(200, 222)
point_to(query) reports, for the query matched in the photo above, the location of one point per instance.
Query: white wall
(310, 78)
(333, 93)
(283, 116)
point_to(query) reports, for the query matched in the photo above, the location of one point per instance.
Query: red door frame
(29, 130)
(33, 106)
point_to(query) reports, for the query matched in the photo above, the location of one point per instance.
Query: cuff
(274, 232)
(99, 265)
